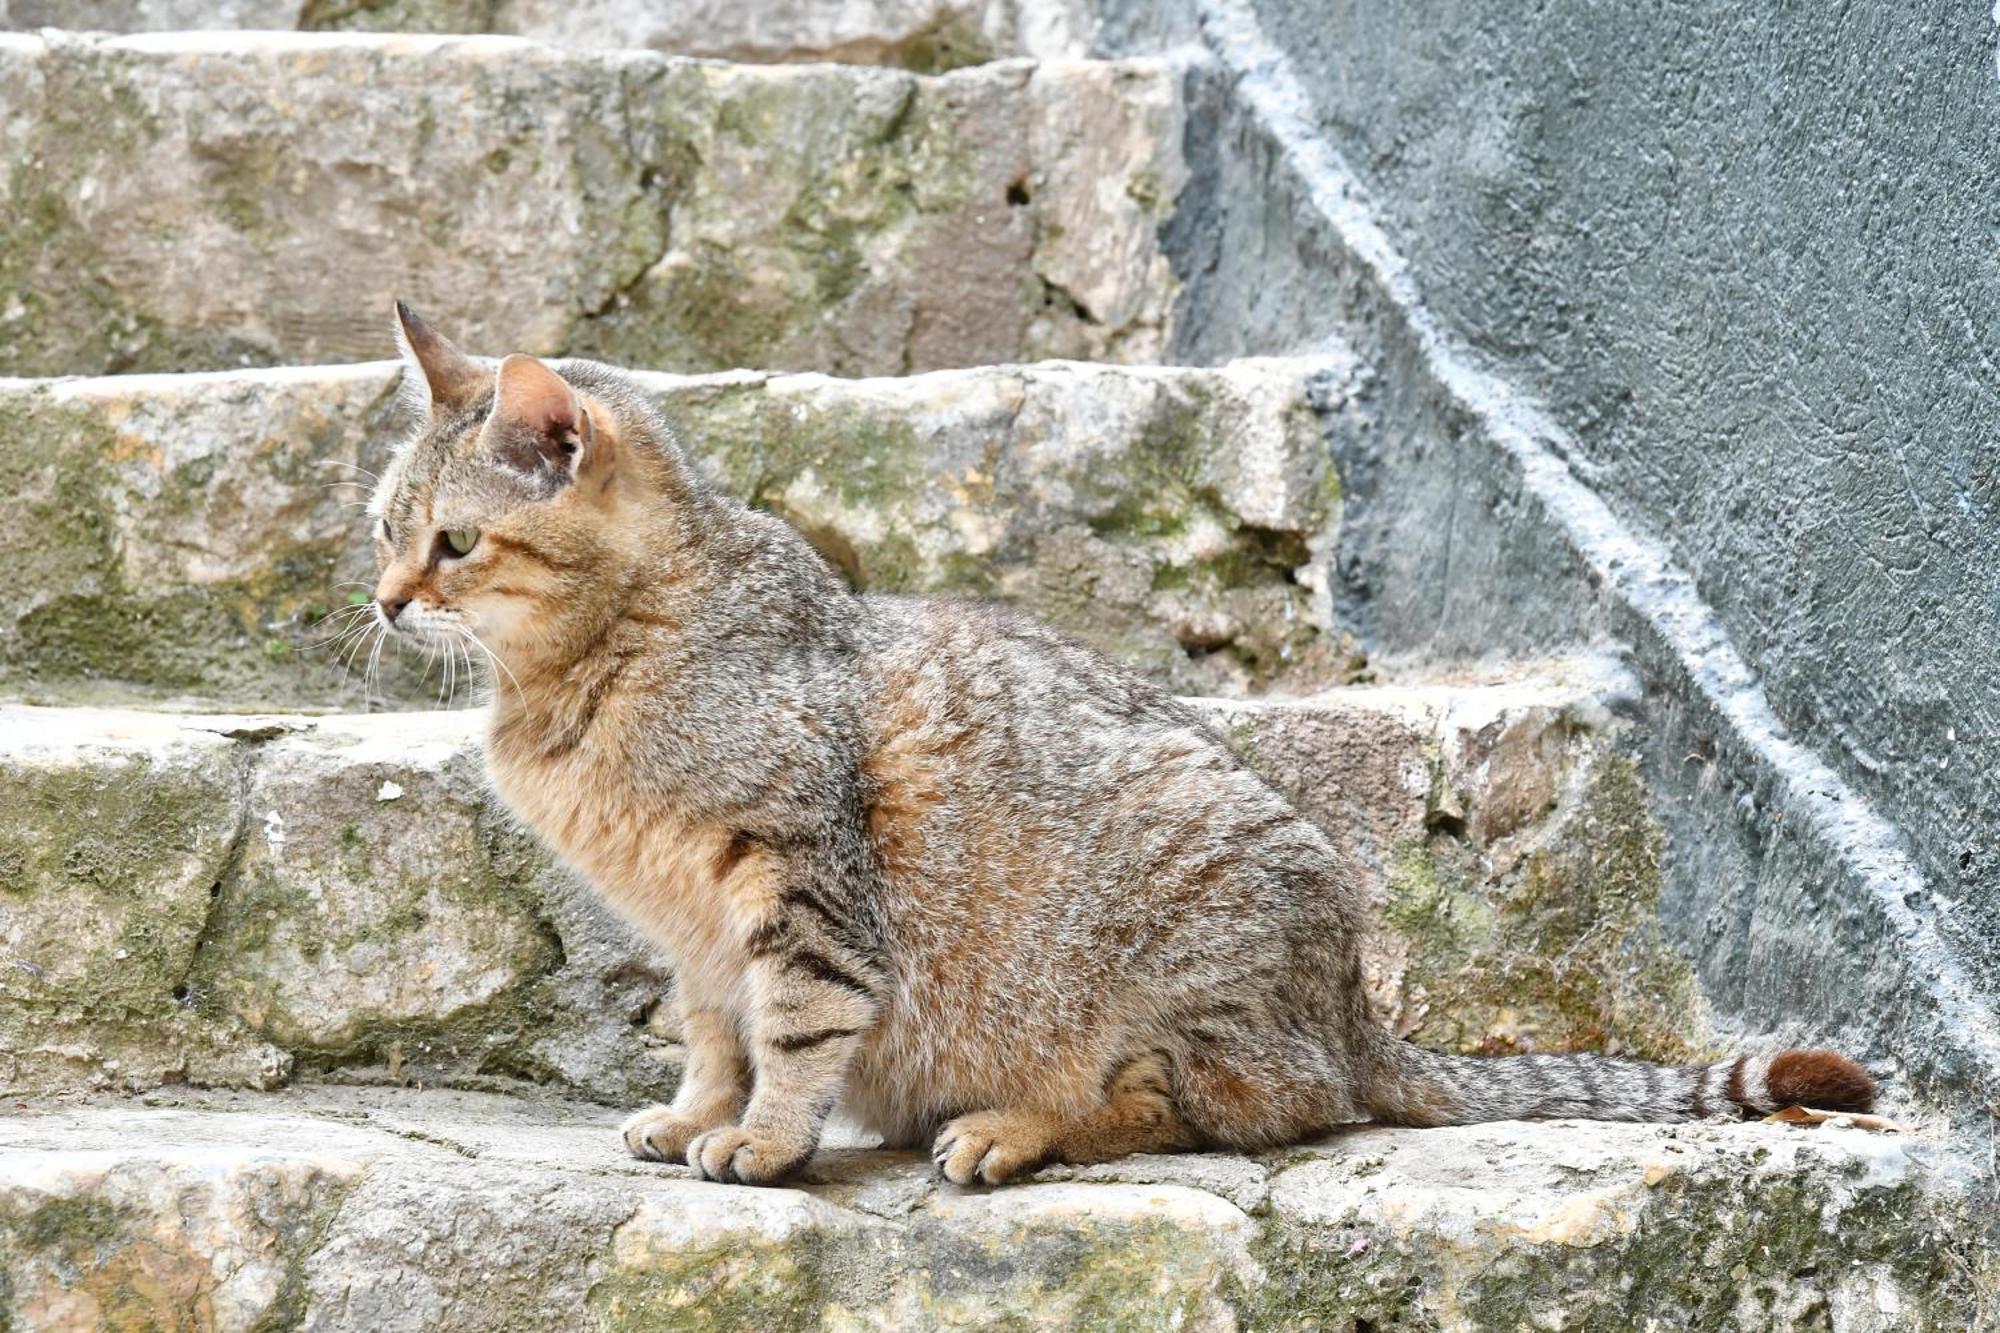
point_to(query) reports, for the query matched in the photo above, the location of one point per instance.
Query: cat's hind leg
(1136, 1115)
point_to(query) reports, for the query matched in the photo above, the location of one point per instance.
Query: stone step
(245, 900)
(180, 536)
(931, 36)
(191, 201)
(388, 1210)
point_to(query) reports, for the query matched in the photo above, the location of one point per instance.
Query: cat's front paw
(735, 1156)
(660, 1134)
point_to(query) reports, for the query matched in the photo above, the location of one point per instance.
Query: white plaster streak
(1810, 792)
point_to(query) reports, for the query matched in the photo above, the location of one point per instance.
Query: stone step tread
(391, 1209)
(928, 35)
(243, 899)
(647, 208)
(179, 535)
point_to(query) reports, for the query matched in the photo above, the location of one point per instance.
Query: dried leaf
(1806, 1115)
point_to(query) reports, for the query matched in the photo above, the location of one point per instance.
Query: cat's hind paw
(991, 1148)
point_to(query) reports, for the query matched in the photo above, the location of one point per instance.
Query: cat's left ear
(452, 380)
(539, 426)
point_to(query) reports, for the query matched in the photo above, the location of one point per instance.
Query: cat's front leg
(815, 993)
(715, 1085)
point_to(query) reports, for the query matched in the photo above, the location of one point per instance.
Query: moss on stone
(743, 1285)
(439, 16)
(76, 611)
(131, 843)
(844, 175)
(1705, 1252)
(1566, 953)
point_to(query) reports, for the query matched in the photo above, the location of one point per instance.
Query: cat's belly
(943, 1051)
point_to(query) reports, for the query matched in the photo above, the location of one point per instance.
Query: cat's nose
(391, 607)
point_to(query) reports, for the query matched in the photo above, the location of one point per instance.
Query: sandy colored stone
(360, 906)
(1586, 1225)
(928, 35)
(192, 201)
(339, 1209)
(222, 898)
(117, 832)
(199, 536)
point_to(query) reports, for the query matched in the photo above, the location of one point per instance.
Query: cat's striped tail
(1413, 1086)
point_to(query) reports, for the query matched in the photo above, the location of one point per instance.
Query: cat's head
(509, 518)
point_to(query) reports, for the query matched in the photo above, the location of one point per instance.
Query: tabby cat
(927, 860)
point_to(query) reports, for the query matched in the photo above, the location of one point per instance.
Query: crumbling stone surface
(926, 35)
(188, 537)
(193, 201)
(343, 899)
(390, 1210)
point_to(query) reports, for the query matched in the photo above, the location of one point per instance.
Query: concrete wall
(1743, 256)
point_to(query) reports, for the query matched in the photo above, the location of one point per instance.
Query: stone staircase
(297, 1030)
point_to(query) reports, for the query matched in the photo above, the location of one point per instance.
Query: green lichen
(440, 16)
(1567, 953)
(80, 622)
(71, 1224)
(72, 314)
(144, 1272)
(133, 844)
(1114, 1277)
(839, 177)
(372, 903)
(738, 1286)
(1709, 1253)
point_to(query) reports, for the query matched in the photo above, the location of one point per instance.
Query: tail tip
(1823, 1080)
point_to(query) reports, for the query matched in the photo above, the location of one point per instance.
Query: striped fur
(929, 859)
(1419, 1087)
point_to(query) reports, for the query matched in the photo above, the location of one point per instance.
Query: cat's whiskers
(374, 662)
(493, 658)
(340, 632)
(332, 641)
(335, 613)
(360, 637)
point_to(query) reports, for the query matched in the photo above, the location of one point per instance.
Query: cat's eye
(386, 534)
(460, 541)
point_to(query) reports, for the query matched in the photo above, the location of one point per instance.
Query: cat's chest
(660, 869)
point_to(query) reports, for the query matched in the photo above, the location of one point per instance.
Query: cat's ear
(539, 425)
(451, 378)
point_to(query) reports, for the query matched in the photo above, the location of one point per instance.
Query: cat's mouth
(424, 627)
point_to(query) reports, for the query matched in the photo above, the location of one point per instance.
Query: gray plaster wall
(1739, 262)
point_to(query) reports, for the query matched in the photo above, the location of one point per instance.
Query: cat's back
(1003, 753)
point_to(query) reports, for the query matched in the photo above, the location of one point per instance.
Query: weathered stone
(927, 35)
(364, 908)
(188, 536)
(118, 831)
(352, 1208)
(188, 201)
(368, 896)
(1595, 1226)
(1513, 854)
(1182, 521)
(216, 899)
